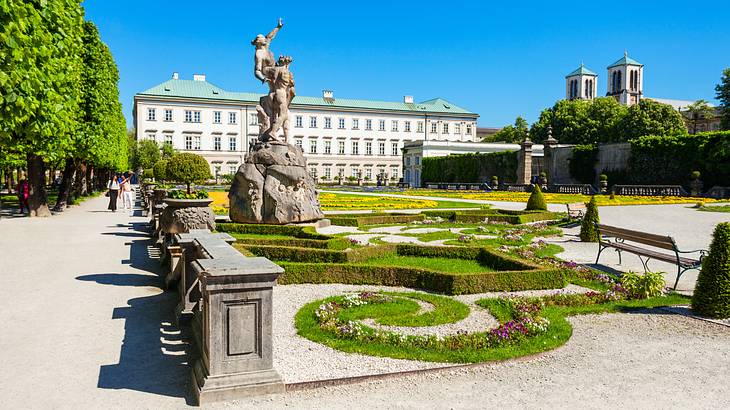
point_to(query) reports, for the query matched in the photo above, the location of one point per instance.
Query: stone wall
(611, 157)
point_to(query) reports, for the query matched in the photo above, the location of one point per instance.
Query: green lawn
(715, 208)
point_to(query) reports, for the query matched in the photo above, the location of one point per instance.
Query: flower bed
(553, 198)
(526, 325)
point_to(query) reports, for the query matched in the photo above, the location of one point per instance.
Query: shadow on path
(153, 357)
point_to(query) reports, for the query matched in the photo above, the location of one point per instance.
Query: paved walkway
(85, 323)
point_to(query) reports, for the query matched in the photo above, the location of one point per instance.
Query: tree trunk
(89, 179)
(64, 190)
(81, 184)
(37, 200)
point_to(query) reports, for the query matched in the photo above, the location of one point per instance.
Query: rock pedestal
(272, 186)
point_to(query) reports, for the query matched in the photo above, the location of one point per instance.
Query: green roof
(625, 60)
(205, 90)
(582, 70)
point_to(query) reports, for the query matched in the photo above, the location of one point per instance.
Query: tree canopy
(723, 95)
(187, 168)
(511, 133)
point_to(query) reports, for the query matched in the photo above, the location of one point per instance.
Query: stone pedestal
(236, 350)
(273, 186)
(524, 166)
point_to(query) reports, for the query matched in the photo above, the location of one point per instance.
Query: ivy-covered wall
(671, 159)
(470, 167)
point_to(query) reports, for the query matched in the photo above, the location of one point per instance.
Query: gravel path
(638, 360)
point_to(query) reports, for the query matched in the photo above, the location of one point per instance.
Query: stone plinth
(524, 165)
(182, 215)
(236, 347)
(273, 186)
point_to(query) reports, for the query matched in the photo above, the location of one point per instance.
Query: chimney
(408, 99)
(328, 95)
(175, 75)
(198, 77)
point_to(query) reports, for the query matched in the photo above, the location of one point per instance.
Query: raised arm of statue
(271, 35)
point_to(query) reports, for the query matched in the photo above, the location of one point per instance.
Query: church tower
(581, 84)
(626, 80)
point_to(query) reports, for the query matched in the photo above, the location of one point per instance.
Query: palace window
(232, 169)
(355, 148)
(468, 129)
(151, 136)
(434, 128)
(457, 128)
(327, 172)
(381, 125)
(355, 124)
(341, 123)
(299, 144)
(341, 147)
(196, 116)
(253, 119)
(231, 143)
(298, 121)
(354, 172)
(394, 149)
(368, 148)
(368, 173)
(312, 122)
(419, 126)
(368, 125)
(217, 143)
(328, 147)
(313, 172)
(168, 139)
(312, 146)
(394, 125)
(216, 117)
(168, 115)
(407, 126)
(188, 142)
(446, 128)
(231, 117)
(196, 142)
(151, 114)
(327, 122)
(394, 173)
(381, 148)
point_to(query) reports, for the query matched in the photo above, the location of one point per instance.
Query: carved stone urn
(182, 215)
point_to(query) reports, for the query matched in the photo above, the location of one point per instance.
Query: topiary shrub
(536, 201)
(188, 169)
(588, 231)
(160, 170)
(712, 291)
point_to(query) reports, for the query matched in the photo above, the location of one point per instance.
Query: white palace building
(342, 137)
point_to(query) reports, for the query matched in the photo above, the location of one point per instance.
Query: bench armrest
(702, 251)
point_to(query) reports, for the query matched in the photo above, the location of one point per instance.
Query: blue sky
(499, 60)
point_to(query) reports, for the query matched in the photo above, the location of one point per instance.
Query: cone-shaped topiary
(712, 291)
(588, 231)
(537, 200)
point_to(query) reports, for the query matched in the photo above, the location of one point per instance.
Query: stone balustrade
(650, 190)
(585, 189)
(229, 297)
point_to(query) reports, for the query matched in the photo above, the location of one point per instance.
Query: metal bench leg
(600, 249)
(680, 271)
(645, 263)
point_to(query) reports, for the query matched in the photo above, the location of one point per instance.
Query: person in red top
(23, 193)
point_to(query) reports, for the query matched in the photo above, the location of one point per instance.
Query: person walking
(127, 193)
(23, 189)
(113, 193)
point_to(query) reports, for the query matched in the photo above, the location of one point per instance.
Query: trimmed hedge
(373, 219)
(536, 202)
(495, 215)
(306, 232)
(302, 254)
(470, 167)
(419, 278)
(485, 256)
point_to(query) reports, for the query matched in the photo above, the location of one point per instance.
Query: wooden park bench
(621, 236)
(576, 210)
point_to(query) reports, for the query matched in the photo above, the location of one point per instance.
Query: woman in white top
(113, 193)
(127, 194)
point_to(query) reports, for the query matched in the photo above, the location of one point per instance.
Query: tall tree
(651, 118)
(698, 111)
(723, 95)
(511, 133)
(40, 69)
(101, 140)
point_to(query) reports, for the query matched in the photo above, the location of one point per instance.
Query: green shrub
(178, 194)
(712, 291)
(536, 201)
(588, 230)
(160, 170)
(306, 232)
(373, 219)
(603, 178)
(188, 169)
(644, 286)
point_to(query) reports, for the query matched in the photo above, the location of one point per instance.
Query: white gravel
(418, 231)
(336, 229)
